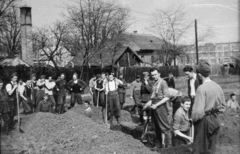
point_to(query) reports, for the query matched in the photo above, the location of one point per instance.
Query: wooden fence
(86, 73)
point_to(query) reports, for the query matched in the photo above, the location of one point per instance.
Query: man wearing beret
(208, 103)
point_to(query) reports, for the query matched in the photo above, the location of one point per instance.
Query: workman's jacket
(81, 84)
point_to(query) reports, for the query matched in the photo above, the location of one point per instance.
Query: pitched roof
(106, 56)
(13, 62)
(143, 41)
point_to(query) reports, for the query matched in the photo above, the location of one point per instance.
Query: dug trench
(72, 132)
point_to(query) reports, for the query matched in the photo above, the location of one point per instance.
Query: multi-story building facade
(218, 53)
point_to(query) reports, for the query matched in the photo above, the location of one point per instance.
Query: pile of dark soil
(72, 133)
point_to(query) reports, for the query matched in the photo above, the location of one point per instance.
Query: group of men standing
(108, 92)
(42, 95)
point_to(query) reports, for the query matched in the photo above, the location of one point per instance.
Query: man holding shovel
(99, 86)
(159, 112)
(11, 89)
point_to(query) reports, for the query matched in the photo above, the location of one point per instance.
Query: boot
(169, 139)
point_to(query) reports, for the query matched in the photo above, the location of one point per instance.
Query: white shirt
(21, 88)
(192, 85)
(49, 85)
(9, 86)
(113, 85)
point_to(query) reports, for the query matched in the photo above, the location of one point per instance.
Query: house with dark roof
(123, 57)
(145, 45)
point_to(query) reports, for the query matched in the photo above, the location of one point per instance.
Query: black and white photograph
(119, 77)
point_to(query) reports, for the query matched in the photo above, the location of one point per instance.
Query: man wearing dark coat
(11, 89)
(76, 87)
(193, 82)
(61, 93)
(145, 95)
(122, 91)
(4, 108)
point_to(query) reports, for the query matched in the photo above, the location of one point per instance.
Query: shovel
(146, 128)
(106, 114)
(97, 98)
(19, 120)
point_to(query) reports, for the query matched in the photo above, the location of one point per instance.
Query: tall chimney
(26, 34)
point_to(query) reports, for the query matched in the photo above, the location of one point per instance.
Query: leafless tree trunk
(9, 28)
(171, 26)
(96, 25)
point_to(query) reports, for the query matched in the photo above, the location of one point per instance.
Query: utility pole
(196, 41)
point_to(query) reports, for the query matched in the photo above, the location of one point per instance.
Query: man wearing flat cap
(208, 103)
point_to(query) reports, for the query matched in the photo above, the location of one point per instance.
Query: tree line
(91, 27)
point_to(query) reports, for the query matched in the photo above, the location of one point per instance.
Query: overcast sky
(221, 15)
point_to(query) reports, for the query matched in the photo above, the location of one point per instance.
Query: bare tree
(9, 28)
(49, 41)
(96, 25)
(5, 5)
(172, 27)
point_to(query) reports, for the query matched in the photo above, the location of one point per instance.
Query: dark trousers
(206, 131)
(122, 98)
(34, 97)
(190, 109)
(39, 96)
(12, 110)
(61, 100)
(95, 97)
(26, 104)
(5, 118)
(75, 97)
(100, 98)
(161, 123)
(113, 100)
(137, 100)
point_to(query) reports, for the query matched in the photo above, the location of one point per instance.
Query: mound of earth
(97, 114)
(47, 133)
